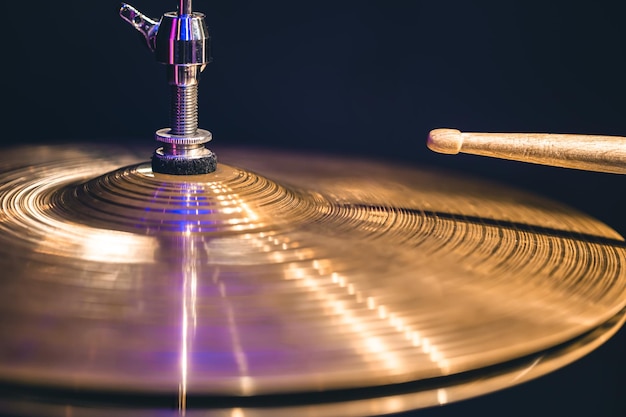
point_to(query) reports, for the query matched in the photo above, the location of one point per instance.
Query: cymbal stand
(181, 41)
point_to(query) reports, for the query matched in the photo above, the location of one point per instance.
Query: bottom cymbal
(349, 403)
(285, 284)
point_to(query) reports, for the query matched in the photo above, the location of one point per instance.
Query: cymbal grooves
(134, 200)
(273, 279)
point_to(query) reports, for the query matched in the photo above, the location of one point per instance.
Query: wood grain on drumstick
(586, 152)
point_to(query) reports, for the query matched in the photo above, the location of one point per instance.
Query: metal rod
(586, 152)
(184, 110)
(185, 7)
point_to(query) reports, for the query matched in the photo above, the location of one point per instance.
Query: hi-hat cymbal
(284, 284)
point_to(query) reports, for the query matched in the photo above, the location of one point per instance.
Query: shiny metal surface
(185, 7)
(386, 402)
(180, 40)
(280, 275)
(145, 25)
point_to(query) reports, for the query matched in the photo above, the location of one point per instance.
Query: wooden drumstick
(587, 152)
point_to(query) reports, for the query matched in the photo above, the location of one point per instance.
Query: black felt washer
(184, 166)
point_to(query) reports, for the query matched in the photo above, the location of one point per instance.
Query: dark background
(365, 78)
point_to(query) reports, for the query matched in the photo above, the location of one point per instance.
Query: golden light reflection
(123, 217)
(237, 412)
(89, 244)
(232, 203)
(369, 341)
(442, 396)
(527, 369)
(115, 247)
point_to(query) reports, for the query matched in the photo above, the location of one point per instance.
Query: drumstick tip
(448, 141)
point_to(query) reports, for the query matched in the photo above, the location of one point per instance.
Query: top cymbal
(282, 283)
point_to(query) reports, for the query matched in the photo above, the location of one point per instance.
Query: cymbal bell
(285, 283)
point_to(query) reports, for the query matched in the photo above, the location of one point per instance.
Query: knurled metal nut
(165, 136)
(194, 154)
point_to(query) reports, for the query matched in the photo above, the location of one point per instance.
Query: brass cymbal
(285, 283)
